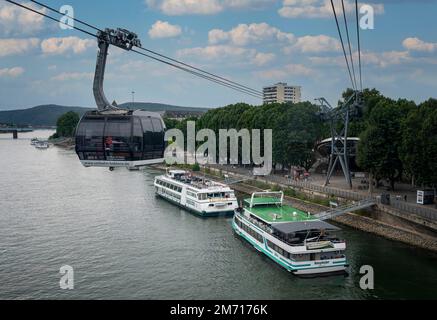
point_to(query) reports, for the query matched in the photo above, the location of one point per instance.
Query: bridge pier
(15, 134)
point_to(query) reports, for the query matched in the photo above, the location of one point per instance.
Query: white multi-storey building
(281, 92)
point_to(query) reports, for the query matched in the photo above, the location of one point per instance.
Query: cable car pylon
(339, 138)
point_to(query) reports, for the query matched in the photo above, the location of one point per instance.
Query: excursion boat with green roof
(294, 239)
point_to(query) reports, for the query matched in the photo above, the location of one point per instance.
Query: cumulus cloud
(55, 46)
(379, 59)
(203, 7)
(163, 29)
(312, 44)
(73, 76)
(261, 59)
(256, 33)
(416, 44)
(14, 20)
(10, 47)
(245, 34)
(216, 52)
(227, 52)
(294, 70)
(319, 8)
(11, 72)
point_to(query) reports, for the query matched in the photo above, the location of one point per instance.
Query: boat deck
(278, 214)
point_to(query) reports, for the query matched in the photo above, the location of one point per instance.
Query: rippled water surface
(124, 243)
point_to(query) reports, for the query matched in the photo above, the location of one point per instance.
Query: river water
(124, 243)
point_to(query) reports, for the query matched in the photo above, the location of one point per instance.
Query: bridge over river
(14, 130)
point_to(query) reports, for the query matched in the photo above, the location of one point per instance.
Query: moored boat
(199, 195)
(293, 239)
(42, 145)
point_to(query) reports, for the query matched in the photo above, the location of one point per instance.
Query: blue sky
(254, 42)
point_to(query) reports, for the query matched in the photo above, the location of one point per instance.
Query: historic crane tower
(339, 143)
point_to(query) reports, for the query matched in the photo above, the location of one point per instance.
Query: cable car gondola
(114, 137)
(132, 139)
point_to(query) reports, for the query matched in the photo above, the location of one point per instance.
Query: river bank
(361, 221)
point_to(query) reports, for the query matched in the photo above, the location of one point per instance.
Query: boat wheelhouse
(294, 239)
(199, 195)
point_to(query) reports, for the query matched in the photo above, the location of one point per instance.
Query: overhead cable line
(51, 18)
(211, 74)
(151, 51)
(349, 43)
(359, 45)
(66, 15)
(197, 71)
(342, 44)
(223, 83)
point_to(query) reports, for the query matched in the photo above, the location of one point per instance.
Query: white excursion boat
(294, 239)
(43, 145)
(201, 196)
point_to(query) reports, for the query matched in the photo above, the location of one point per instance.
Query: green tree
(419, 144)
(66, 125)
(380, 143)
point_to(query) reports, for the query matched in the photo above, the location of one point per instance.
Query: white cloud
(17, 46)
(75, 45)
(163, 29)
(416, 44)
(227, 52)
(290, 70)
(379, 59)
(73, 76)
(15, 20)
(262, 59)
(244, 34)
(217, 52)
(319, 8)
(11, 72)
(203, 7)
(311, 44)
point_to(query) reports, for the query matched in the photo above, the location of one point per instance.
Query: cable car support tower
(339, 118)
(120, 38)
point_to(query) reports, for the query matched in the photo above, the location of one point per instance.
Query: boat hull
(202, 214)
(298, 270)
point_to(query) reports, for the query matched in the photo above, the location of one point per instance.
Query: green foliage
(296, 127)
(381, 143)
(171, 123)
(419, 143)
(66, 125)
(196, 167)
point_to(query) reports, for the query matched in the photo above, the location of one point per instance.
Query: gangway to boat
(229, 181)
(335, 212)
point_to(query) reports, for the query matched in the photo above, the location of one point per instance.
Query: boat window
(301, 257)
(252, 233)
(278, 249)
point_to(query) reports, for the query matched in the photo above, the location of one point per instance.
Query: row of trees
(398, 138)
(296, 128)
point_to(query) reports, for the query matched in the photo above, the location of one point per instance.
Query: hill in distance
(47, 115)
